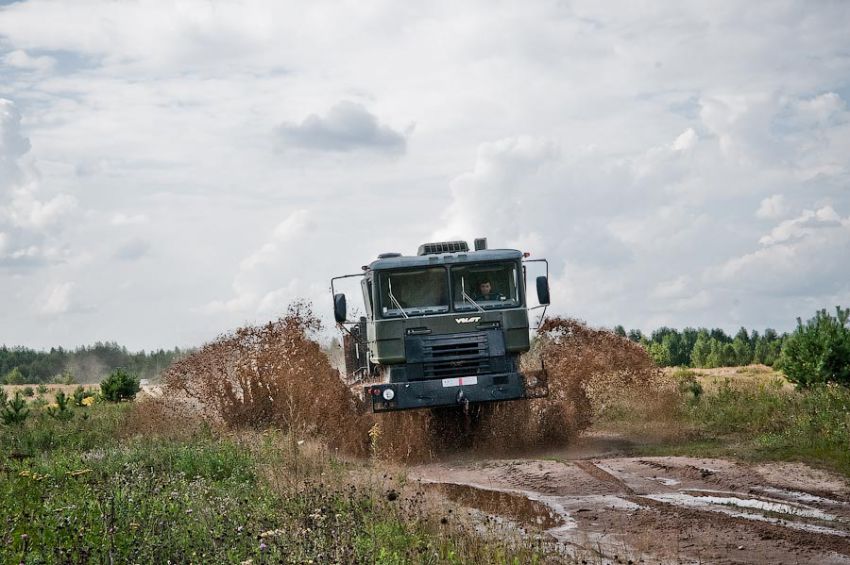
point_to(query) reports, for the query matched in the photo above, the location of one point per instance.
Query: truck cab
(445, 327)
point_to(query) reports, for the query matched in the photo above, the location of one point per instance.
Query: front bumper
(456, 391)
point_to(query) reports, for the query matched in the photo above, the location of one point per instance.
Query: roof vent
(443, 247)
(480, 243)
(388, 255)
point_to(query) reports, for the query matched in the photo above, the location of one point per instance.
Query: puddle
(515, 506)
(728, 505)
(667, 482)
(801, 496)
(777, 507)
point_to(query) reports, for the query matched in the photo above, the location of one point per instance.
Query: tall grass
(756, 419)
(117, 487)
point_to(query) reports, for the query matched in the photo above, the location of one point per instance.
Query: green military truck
(442, 328)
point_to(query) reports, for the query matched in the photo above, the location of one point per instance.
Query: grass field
(750, 413)
(124, 483)
(133, 482)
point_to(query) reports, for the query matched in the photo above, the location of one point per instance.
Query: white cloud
(256, 286)
(22, 60)
(28, 220)
(57, 299)
(772, 207)
(799, 257)
(802, 226)
(122, 219)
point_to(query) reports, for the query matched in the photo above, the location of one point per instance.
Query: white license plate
(460, 381)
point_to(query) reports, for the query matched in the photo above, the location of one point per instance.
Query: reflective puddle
(517, 507)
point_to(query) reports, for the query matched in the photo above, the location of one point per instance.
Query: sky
(172, 170)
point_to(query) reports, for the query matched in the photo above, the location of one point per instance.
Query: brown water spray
(277, 375)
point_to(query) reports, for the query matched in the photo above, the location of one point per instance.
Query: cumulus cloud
(257, 284)
(803, 256)
(27, 219)
(649, 227)
(348, 126)
(772, 207)
(22, 60)
(802, 226)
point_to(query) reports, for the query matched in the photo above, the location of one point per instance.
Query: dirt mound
(276, 375)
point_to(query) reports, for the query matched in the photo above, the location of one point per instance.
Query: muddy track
(659, 509)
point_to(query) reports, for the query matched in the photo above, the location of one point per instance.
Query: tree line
(87, 364)
(708, 348)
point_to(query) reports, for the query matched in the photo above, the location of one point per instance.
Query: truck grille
(458, 354)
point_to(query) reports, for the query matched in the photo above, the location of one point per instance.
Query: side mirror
(542, 290)
(340, 308)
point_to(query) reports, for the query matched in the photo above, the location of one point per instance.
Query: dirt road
(603, 507)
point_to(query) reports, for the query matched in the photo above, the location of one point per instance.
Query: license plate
(460, 381)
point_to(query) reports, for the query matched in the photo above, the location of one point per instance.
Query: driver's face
(485, 288)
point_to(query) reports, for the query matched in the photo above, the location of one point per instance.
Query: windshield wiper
(466, 296)
(393, 299)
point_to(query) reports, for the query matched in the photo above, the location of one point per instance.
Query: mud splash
(273, 375)
(277, 375)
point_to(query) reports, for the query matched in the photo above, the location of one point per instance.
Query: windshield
(414, 293)
(486, 286)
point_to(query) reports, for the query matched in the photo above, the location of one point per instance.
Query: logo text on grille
(467, 320)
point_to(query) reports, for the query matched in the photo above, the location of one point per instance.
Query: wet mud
(666, 509)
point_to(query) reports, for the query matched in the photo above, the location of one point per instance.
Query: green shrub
(15, 411)
(119, 385)
(688, 383)
(14, 377)
(66, 378)
(4, 396)
(42, 389)
(28, 391)
(80, 394)
(819, 351)
(62, 409)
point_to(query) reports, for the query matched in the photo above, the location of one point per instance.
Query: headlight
(388, 394)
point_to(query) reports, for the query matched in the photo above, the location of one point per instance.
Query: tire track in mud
(625, 507)
(604, 476)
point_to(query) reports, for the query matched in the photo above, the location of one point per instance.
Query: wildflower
(263, 546)
(88, 401)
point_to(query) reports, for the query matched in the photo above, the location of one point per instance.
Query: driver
(486, 292)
